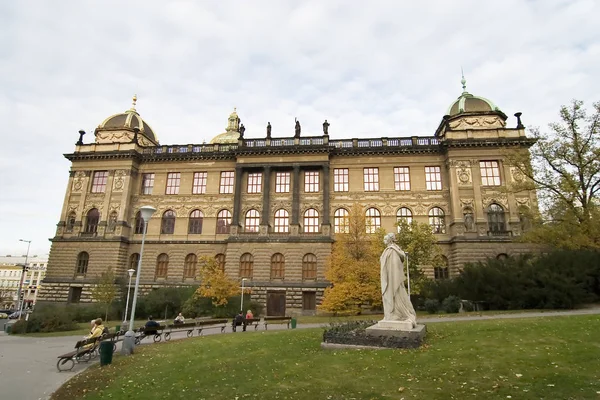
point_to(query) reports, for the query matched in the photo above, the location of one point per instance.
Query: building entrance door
(276, 304)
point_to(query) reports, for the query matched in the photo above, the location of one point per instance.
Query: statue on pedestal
(242, 130)
(268, 130)
(297, 129)
(326, 127)
(396, 301)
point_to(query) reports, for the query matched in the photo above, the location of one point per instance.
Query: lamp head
(146, 212)
(130, 271)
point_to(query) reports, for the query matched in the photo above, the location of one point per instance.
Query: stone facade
(272, 207)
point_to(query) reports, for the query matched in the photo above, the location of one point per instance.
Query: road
(28, 364)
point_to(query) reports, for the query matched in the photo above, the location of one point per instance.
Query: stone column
(264, 222)
(295, 225)
(237, 198)
(325, 225)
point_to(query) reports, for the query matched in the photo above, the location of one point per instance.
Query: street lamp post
(129, 341)
(130, 272)
(23, 277)
(242, 297)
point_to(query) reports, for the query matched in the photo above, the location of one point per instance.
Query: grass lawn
(532, 358)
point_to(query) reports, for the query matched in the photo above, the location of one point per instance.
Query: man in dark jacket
(151, 324)
(239, 320)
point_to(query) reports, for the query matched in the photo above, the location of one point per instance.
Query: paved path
(28, 364)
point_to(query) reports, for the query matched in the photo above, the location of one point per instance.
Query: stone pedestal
(400, 330)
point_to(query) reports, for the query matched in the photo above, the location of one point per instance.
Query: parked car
(3, 315)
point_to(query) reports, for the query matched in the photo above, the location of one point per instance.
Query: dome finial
(463, 81)
(134, 101)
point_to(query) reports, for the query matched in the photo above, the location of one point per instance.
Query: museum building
(268, 209)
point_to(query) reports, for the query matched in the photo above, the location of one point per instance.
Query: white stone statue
(397, 307)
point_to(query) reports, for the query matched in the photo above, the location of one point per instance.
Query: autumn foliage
(214, 283)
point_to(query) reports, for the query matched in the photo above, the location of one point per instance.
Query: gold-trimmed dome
(128, 121)
(232, 133)
(469, 103)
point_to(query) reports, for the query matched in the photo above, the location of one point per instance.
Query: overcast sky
(371, 68)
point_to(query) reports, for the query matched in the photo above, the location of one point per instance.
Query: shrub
(432, 306)
(451, 304)
(47, 319)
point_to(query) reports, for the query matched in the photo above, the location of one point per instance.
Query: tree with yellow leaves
(214, 283)
(353, 266)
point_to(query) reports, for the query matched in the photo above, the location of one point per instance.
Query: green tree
(564, 168)
(105, 290)
(417, 239)
(353, 266)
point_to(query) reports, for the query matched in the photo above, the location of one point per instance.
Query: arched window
(83, 259)
(91, 222)
(282, 221)
(277, 266)
(341, 221)
(112, 221)
(437, 220)
(195, 225)
(309, 266)
(223, 221)
(139, 223)
(168, 223)
(189, 266)
(70, 222)
(162, 266)
(495, 217)
(403, 214)
(220, 259)
(246, 265)
(372, 220)
(441, 271)
(252, 221)
(311, 221)
(134, 259)
(502, 256)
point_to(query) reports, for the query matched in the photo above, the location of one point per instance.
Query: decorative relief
(517, 175)
(523, 202)
(499, 199)
(78, 181)
(463, 173)
(482, 231)
(467, 203)
(482, 122)
(387, 210)
(119, 180)
(114, 207)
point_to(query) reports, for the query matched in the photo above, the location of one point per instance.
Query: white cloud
(382, 68)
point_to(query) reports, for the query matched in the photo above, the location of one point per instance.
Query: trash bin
(106, 352)
(117, 328)
(294, 321)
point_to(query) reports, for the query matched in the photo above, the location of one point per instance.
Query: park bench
(252, 322)
(84, 351)
(114, 338)
(146, 331)
(278, 320)
(187, 326)
(211, 323)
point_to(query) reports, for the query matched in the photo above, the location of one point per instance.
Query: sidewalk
(28, 364)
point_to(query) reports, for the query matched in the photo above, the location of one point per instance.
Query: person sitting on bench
(179, 319)
(151, 324)
(239, 320)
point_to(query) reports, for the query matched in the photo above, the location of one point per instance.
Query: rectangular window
(173, 181)
(254, 182)
(282, 182)
(309, 301)
(199, 186)
(99, 181)
(490, 173)
(433, 178)
(226, 186)
(371, 179)
(147, 183)
(311, 181)
(401, 178)
(340, 179)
